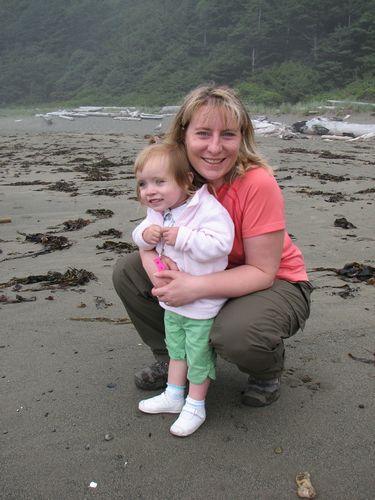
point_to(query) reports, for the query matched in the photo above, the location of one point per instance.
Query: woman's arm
(263, 254)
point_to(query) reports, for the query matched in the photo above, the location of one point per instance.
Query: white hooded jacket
(204, 240)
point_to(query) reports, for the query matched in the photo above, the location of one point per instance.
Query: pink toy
(160, 266)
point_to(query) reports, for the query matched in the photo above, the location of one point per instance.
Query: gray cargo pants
(248, 331)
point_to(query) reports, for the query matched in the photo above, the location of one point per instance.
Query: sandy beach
(68, 353)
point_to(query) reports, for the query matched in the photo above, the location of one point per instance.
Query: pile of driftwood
(327, 128)
(115, 112)
(335, 129)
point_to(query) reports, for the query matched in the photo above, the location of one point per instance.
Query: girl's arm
(212, 239)
(263, 254)
(138, 238)
(147, 258)
(150, 228)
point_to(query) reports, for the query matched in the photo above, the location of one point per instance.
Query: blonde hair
(226, 101)
(176, 160)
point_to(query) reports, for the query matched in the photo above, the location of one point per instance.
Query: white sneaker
(161, 404)
(188, 421)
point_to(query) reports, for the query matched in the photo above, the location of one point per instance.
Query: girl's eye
(141, 184)
(160, 181)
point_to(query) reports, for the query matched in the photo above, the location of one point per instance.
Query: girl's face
(157, 187)
(212, 144)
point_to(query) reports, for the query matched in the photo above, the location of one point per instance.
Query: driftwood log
(323, 126)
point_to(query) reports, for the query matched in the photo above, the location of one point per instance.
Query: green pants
(248, 331)
(187, 339)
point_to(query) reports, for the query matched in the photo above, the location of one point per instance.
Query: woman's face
(212, 143)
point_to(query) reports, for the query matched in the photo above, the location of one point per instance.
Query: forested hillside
(153, 51)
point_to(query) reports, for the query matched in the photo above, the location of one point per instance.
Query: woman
(266, 280)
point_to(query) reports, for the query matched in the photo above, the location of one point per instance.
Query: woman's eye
(203, 133)
(229, 134)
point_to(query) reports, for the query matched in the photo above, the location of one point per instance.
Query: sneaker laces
(160, 366)
(268, 385)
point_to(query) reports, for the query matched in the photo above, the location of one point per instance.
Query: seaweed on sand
(100, 213)
(54, 279)
(107, 192)
(354, 272)
(67, 187)
(117, 246)
(50, 242)
(115, 233)
(74, 225)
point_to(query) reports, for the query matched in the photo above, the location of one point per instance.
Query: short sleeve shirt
(255, 203)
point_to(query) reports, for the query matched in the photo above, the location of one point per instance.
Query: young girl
(195, 231)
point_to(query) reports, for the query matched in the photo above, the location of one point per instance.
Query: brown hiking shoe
(152, 378)
(261, 392)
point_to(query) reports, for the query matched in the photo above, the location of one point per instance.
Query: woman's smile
(212, 162)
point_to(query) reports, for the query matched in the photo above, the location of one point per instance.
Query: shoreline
(35, 124)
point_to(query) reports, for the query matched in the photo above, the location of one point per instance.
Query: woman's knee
(129, 279)
(118, 271)
(254, 351)
(123, 269)
(252, 337)
(248, 334)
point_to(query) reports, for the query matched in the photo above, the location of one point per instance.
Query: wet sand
(67, 353)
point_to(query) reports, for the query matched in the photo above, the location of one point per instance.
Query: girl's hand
(181, 288)
(170, 235)
(152, 234)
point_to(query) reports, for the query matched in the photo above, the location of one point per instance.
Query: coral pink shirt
(256, 205)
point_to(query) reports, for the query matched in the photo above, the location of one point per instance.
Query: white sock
(175, 392)
(195, 404)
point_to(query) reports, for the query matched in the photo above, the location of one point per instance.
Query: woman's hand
(262, 254)
(181, 288)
